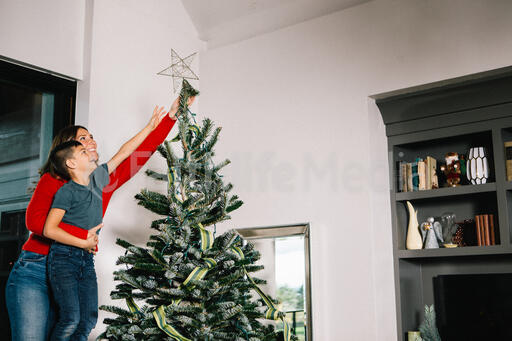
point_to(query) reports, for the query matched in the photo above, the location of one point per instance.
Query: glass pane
(26, 128)
(285, 273)
(290, 280)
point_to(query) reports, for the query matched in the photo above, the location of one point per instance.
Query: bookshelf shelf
(432, 123)
(446, 192)
(455, 252)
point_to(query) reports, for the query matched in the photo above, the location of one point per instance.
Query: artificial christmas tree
(190, 284)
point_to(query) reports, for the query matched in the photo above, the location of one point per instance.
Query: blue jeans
(75, 290)
(27, 296)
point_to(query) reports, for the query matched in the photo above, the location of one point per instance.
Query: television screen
(474, 307)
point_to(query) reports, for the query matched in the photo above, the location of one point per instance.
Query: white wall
(48, 34)
(129, 43)
(308, 145)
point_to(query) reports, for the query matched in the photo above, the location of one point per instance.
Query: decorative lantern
(477, 168)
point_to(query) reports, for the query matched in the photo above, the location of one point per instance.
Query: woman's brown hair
(64, 135)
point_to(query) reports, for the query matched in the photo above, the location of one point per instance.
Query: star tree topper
(179, 69)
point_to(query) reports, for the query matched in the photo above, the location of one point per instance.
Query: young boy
(79, 202)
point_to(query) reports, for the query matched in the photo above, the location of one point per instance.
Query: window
(33, 106)
(285, 255)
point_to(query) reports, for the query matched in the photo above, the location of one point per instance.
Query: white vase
(413, 241)
(477, 168)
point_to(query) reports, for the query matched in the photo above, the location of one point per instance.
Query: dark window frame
(64, 91)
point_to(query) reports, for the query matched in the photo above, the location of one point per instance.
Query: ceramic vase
(414, 240)
(477, 168)
(414, 336)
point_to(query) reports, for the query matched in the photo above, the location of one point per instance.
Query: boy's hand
(92, 237)
(156, 118)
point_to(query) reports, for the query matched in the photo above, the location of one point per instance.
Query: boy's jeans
(75, 290)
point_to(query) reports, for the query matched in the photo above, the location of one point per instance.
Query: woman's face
(86, 139)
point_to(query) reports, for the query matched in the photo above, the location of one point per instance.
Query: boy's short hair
(58, 157)
(65, 134)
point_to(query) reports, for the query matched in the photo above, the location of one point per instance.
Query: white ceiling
(221, 22)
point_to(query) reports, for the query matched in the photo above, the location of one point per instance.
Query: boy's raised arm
(130, 146)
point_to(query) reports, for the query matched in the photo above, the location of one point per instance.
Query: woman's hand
(156, 118)
(176, 104)
(92, 238)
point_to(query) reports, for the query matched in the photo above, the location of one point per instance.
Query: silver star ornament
(180, 69)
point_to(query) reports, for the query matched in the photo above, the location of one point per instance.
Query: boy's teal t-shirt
(83, 204)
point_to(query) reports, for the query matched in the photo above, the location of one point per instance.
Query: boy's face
(82, 161)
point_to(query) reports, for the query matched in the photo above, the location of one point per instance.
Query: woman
(27, 290)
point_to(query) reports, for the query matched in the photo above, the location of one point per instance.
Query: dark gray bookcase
(470, 112)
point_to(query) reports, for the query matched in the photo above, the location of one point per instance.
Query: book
(421, 175)
(478, 230)
(428, 171)
(491, 227)
(404, 176)
(399, 176)
(432, 181)
(508, 159)
(415, 176)
(485, 218)
(409, 177)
